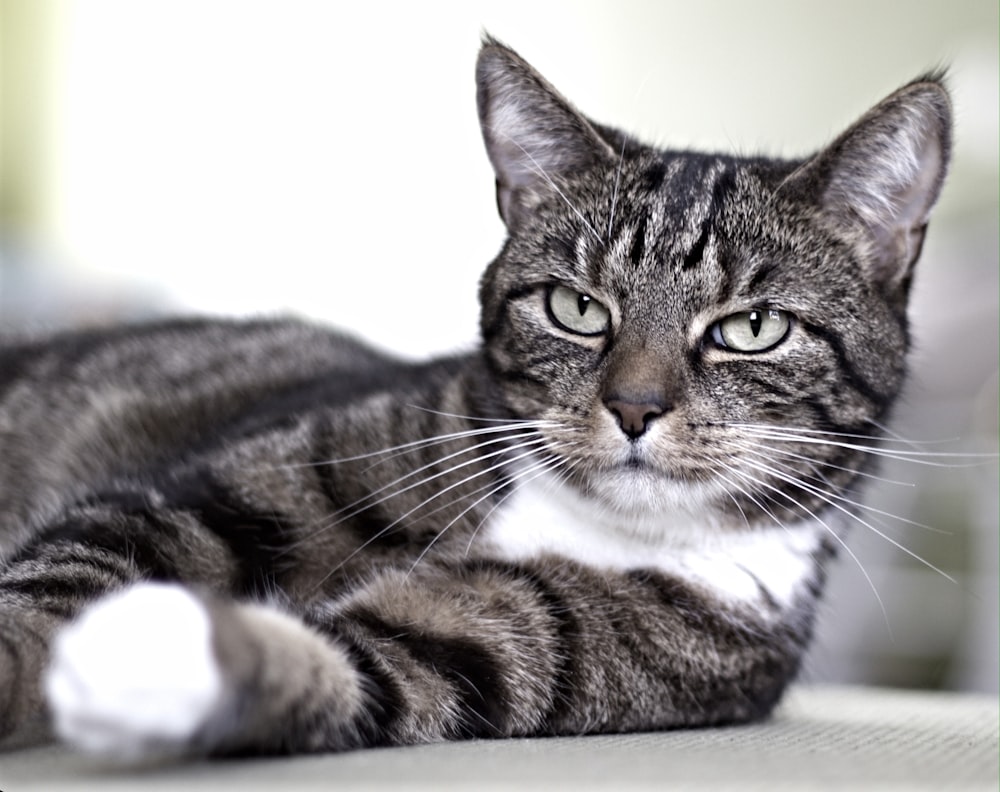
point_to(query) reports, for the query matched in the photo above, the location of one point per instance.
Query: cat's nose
(634, 418)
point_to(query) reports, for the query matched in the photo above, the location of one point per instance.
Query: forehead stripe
(693, 257)
(638, 249)
(722, 185)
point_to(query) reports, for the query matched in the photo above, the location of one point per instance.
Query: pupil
(582, 301)
(756, 320)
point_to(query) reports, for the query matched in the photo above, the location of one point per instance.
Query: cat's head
(695, 327)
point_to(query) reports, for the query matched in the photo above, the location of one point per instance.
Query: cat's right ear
(532, 134)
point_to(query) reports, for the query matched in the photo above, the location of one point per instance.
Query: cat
(617, 514)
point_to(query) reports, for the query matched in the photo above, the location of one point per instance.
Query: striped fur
(609, 521)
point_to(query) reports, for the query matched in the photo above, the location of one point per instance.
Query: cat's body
(615, 515)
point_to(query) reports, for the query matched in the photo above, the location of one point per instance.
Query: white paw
(135, 675)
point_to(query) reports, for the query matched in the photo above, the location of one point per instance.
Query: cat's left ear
(885, 173)
(533, 135)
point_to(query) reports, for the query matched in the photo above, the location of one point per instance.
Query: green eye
(751, 331)
(578, 313)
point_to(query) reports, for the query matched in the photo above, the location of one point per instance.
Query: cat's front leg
(492, 648)
(24, 637)
(136, 673)
(159, 670)
(550, 646)
(473, 648)
(90, 552)
(41, 589)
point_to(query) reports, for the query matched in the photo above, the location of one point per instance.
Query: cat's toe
(136, 674)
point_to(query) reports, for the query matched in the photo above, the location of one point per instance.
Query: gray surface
(821, 738)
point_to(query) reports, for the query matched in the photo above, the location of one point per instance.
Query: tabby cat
(616, 514)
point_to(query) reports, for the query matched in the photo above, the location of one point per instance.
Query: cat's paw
(135, 675)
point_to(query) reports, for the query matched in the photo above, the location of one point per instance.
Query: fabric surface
(821, 738)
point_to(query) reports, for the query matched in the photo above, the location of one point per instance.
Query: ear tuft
(532, 133)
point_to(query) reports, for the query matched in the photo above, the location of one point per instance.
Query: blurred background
(242, 157)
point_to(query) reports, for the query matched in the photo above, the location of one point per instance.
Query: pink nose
(634, 418)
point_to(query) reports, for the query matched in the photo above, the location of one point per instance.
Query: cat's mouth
(637, 489)
(635, 462)
(639, 470)
(639, 463)
(638, 466)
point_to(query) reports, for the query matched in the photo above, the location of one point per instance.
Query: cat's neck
(766, 569)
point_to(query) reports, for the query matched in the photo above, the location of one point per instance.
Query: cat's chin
(621, 522)
(642, 493)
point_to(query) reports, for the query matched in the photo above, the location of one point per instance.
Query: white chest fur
(738, 565)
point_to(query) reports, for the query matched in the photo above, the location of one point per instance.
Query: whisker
(545, 464)
(823, 463)
(898, 438)
(916, 457)
(518, 483)
(831, 500)
(362, 504)
(417, 444)
(844, 499)
(477, 490)
(805, 430)
(819, 520)
(465, 480)
(372, 499)
(442, 439)
(427, 500)
(726, 480)
(516, 423)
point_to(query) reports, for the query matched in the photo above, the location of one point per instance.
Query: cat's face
(692, 328)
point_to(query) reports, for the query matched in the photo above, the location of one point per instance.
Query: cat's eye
(751, 331)
(579, 313)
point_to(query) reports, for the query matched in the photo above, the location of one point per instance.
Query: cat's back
(183, 350)
(80, 408)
